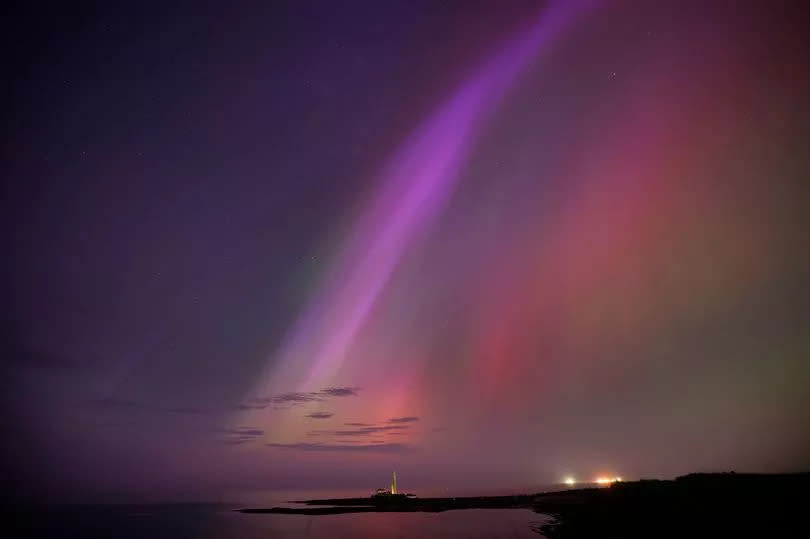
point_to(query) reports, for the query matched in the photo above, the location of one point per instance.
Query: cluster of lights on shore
(601, 480)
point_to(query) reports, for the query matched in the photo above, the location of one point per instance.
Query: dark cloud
(245, 431)
(340, 391)
(406, 419)
(350, 432)
(251, 406)
(238, 441)
(300, 397)
(320, 415)
(358, 424)
(364, 431)
(295, 397)
(370, 448)
(242, 435)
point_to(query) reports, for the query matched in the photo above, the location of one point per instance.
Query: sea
(222, 521)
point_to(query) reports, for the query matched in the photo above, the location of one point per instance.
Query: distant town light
(607, 480)
(569, 481)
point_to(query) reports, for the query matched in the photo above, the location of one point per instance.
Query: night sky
(282, 245)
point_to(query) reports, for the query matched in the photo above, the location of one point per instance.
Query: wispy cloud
(238, 440)
(320, 415)
(340, 391)
(349, 432)
(245, 431)
(294, 397)
(297, 398)
(241, 435)
(364, 448)
(358, 424)
(251, 406)
(406, 419)
(363, 431)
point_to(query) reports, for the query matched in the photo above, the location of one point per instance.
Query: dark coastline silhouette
(694, 505)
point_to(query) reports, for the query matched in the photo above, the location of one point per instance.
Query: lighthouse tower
(394, 483)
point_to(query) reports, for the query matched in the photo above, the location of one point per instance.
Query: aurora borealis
(488, 246)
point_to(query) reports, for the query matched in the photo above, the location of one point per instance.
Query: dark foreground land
(696, 505)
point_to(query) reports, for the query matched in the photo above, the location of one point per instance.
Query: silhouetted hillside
(695, 505)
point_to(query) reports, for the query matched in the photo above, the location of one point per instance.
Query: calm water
(219, 521)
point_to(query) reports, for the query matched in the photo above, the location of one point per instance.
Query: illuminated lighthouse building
(389, 491)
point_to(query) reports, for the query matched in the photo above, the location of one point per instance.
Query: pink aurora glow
(414, 187)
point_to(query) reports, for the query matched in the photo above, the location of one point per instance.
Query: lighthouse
(390, 491)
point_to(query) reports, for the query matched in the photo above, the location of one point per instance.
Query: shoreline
(695, 505)
(428, 505)
(543, 502)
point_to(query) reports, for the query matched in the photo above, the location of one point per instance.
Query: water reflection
(219, 521)
(468, 523)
